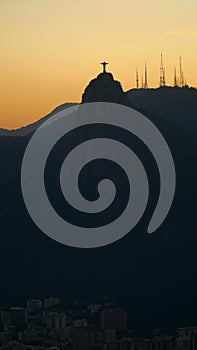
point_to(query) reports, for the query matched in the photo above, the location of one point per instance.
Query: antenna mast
(181, 82)
(175, 78)
(162, 72)
(137, 79)
(145, 78)
(142, 82)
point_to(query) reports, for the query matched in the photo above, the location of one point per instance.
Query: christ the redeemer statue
(104, 66)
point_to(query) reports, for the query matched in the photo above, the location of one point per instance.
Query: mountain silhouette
(105, 89)
(153, 276)
(25, 130)
(173, 104)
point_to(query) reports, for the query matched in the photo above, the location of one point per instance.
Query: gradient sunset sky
(51, 49)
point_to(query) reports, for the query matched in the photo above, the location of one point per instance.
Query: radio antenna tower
(162, 72)
(137, 79)
(181, 81)
(142, 82)
(175, 78)
(145, 78)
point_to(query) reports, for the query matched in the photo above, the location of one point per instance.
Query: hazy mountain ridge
(33, 126)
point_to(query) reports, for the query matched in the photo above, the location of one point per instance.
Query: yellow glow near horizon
(51, 49)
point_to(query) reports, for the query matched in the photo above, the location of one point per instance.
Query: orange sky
(51, 49)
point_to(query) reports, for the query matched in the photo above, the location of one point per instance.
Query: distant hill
(32, 127)
(176, 105)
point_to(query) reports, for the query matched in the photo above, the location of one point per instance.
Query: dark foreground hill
(153, 276)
